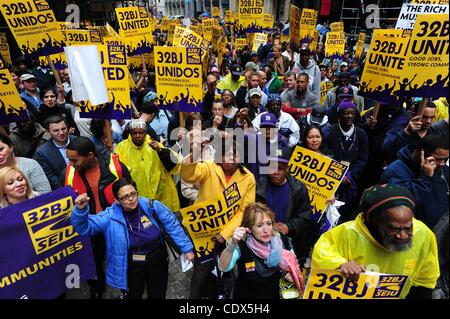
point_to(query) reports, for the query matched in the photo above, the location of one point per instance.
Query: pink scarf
(274, 255)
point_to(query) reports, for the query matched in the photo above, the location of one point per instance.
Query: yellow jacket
(441, 109)
(147, 170)
(228, 83)
(353, 241)
(212, 182)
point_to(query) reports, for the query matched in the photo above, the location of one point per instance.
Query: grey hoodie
(313, 72)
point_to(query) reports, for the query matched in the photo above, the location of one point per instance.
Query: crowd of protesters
(272, 97)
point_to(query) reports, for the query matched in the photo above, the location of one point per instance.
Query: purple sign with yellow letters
(37, 245)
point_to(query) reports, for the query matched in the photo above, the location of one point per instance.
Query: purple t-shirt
(144, 235)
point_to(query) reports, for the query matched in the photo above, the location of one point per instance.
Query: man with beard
(385, 238)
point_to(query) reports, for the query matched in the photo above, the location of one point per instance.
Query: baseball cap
(317, 114)
(282, 155)
(253, 54)
(345, 91)
(26, 77)
(274, 98)
(344, 63)
(254, 91)
(236, 69)
(252, 65)
(268, 120)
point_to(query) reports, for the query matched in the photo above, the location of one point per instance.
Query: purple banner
(37, 243)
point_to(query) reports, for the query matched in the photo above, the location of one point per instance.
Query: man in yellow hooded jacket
(151, 165)
(384, 238)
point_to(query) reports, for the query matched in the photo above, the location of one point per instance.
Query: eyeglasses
(129, 196)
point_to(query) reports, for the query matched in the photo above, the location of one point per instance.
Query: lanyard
(139, 227)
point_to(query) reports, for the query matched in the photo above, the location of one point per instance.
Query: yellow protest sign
(207, 28)
(314, 40)
(82, 37)
(335, 45)
(190, 39)
(217, 34)
(179, 78)
(429, 1)
(34, 27)
(268, 21)
(216, 12)
(426, 65)
(251, 15)
(384, 66)
(114, 63)
(132, 21)
(331, 284)
(240, 43)
(58, 59)
(320, 174)
(196, 28)
(360, 45)
(337, 26)
(12, 108)
(5, 55)
(325, 87)
(294, 25)
(308, 22)
(258, 39)
(171, 32)
(134, 24)
(135, 62)
(205, 220)
(164, 25)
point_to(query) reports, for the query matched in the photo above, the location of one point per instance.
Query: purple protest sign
(37, 243)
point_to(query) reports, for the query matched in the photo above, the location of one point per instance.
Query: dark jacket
(303, 231)
(396, 139)
(430, 193)
(52, 162)
(355, 151)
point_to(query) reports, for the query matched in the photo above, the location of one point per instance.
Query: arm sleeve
(194, 172)
(234, 259)
(395, 139)
(166, 155)
(417, 186)
(301, 213)
(327, 253)
(359, 166)
(189, 191)
(173, 227)
(294, 138)
(38, 179)
(87, 224)
(316, 84)
(51, 176)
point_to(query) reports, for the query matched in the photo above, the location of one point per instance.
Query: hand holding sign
(414, 125)
(351, 270)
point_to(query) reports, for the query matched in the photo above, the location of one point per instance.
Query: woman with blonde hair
(14, 187)
(257, 250)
